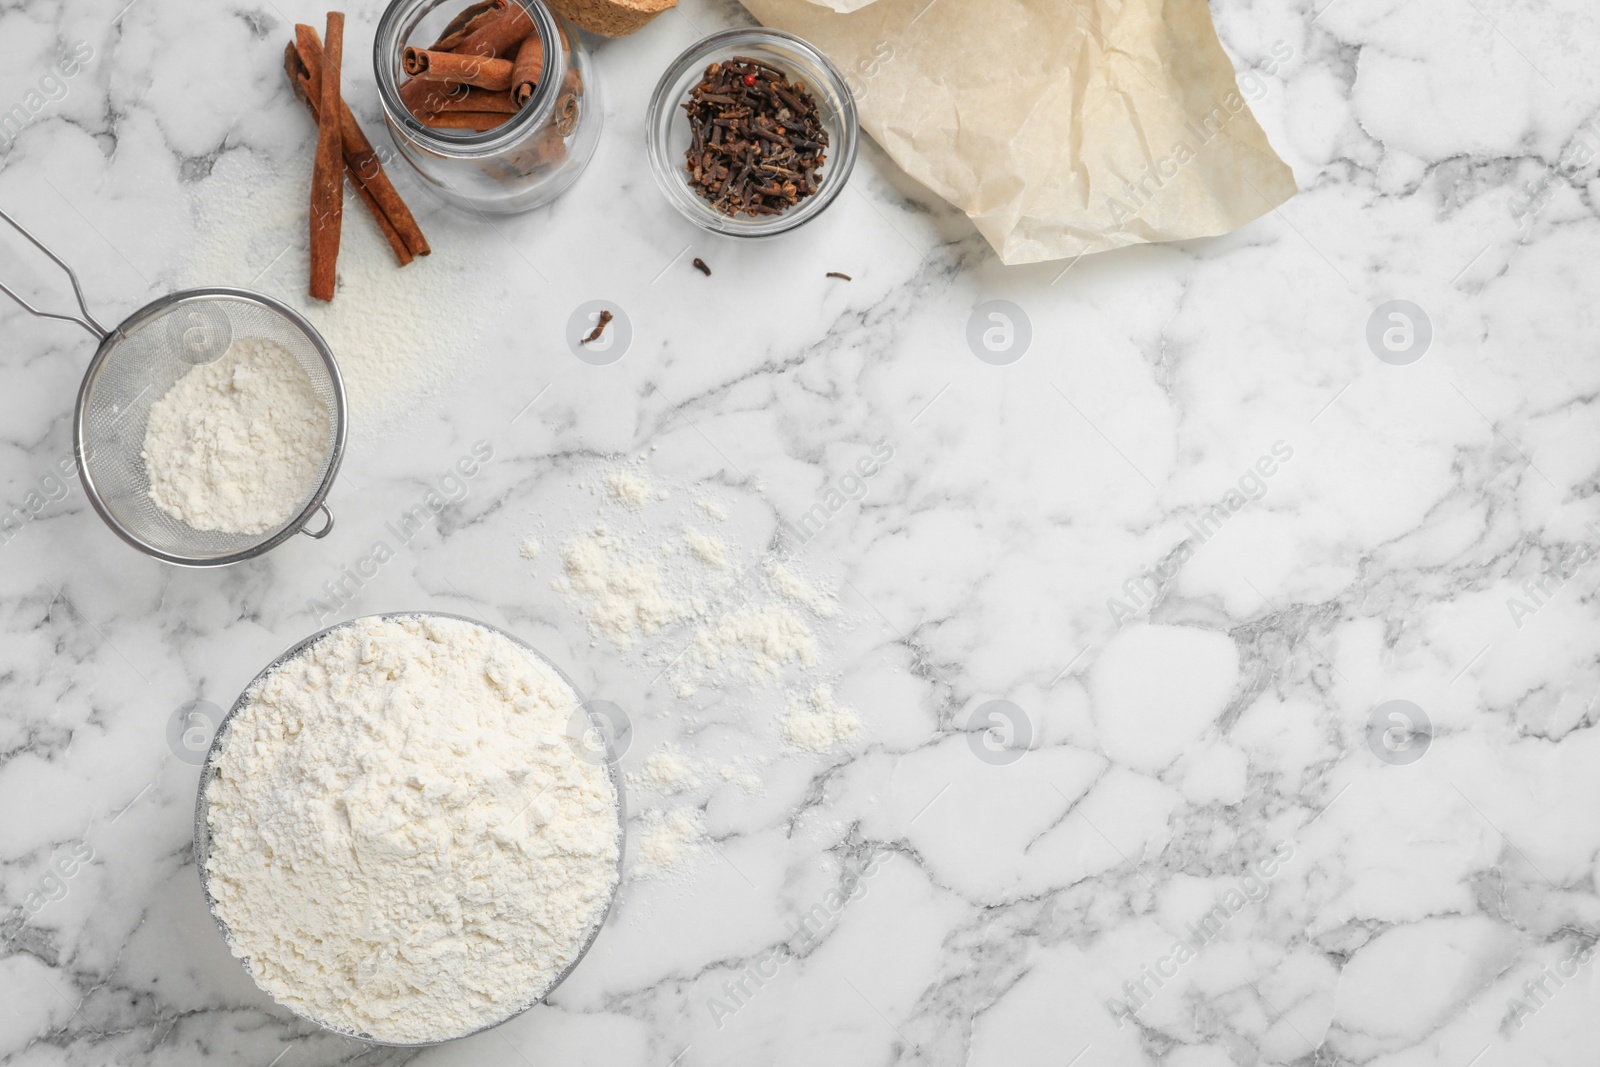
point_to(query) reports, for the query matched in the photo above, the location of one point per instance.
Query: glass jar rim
(387, 46)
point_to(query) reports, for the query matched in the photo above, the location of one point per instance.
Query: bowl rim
(208, 770)
(836, 174)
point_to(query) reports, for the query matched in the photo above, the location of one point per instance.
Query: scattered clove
(840, 274)
(599, 327)
(700, 265)
(757, 141)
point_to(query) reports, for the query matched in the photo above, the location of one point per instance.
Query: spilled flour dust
(689, 607)
(402, 336)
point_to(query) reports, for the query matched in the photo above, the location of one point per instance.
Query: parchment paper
(1062, 127)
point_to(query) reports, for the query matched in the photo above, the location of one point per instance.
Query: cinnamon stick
(547, 149)
(567, 103)
(366, 170)
(474, 99)
(466, 21)
(428, 97)
(482, 71)
(300, 81)
(500, 35)
(327, 171)
(421, 97)
(478, 121)
(527, 68)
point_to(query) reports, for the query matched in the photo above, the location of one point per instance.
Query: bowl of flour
(407, 830)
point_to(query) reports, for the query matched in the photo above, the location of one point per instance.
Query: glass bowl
(668, 137)
(603, 752)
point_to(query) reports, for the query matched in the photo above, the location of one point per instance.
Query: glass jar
(519, 165)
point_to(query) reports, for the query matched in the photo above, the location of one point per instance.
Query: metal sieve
(586, 732)
(135, 365)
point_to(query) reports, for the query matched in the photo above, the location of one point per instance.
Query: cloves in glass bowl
(758, 144)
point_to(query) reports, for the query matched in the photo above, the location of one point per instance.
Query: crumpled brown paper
(1061, 127)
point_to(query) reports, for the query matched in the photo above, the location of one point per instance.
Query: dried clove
(840, 274)
(700, 265)
(757, 143)
(599, 327)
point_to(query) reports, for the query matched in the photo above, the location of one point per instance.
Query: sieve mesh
(136, 366)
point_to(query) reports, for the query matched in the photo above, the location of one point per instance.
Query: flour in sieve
(404, 843)
(237, 444)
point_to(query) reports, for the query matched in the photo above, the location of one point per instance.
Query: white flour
(630, 489)
(794, 587)
(237, 444)
(402, 335)
(815, 723)
(754, 644)
(742, 776)
(708, 550)
(667, 770)
(668, 842)
(688, 608)
(624, 592)
(403, 841)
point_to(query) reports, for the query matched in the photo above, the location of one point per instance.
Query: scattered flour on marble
(667, 842)
(629, 489)
(623, 592)
(708, 550)
(753, 644)
(795, 588)
(237, 444)
(814, 722)
(686, 605)
(743, 776)
(402, 336)
(403, 843)
(667, 770)
(531, 548)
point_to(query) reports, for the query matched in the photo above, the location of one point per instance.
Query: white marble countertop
(1202, 855)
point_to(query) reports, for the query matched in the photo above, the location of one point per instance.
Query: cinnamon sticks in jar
(491, 47)
(527, 68)
(306, 63)
(467, 20)
(481, 71)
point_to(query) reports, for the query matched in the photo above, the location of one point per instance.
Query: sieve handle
(87, 322)
(327, 527)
